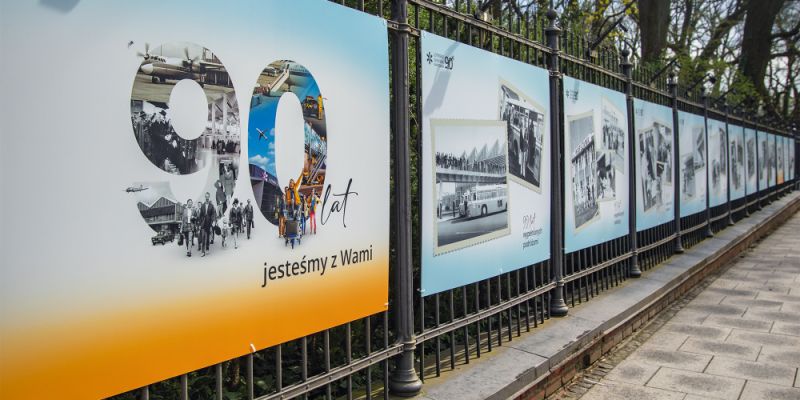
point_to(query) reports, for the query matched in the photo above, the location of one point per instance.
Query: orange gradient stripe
(114, 353)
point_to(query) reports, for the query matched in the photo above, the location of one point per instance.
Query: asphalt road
(456, 230)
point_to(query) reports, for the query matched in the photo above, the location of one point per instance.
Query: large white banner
(693, 163)
(751, 165)
(595, 164)
(485, 164)
(655, 187)
(717, 163)
(736, 155)
(189, 182)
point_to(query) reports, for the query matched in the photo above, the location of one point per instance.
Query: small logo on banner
(440, 60)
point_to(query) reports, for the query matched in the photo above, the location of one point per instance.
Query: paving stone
(689, 317)
(718, 309)
(696, 397)
(772, 315)
(718, 387)
(710, 332)
(720, 348)
(739, 323)
(621, 390)
(782, 355)
(730, 292)
(786, 328)
(776, 288)
(753, 303)
(709, 298)
(785, 298)
(758, 391)
(726, 283)
(665, 340)
(791, 307)
(751, 370)
(633, 371)
(671, 358)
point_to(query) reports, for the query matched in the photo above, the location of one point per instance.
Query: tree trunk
(755, 43)
(653, 24)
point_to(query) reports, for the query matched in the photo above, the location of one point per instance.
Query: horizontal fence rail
(421, 336)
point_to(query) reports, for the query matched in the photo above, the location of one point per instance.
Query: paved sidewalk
(738, 338)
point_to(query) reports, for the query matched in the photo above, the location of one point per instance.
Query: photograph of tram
(525, 136)
(471, 187)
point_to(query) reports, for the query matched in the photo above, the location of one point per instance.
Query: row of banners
(190, 202)
(486, 164)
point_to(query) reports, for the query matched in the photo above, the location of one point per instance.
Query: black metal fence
(422, 336)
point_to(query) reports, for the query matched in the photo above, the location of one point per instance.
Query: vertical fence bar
(250, 386)
(558, 308)
(218, 380)
(403, 380)
(627, 67)
(184, 387)
(672, 86)
(709, 231)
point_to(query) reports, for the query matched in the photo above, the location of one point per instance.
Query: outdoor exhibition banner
(485, 164)
(692, 134)
(207, 180)
(595, 164)
(772, 146)
(736, 156)
(764, 170)
(751, 181)
(717, 163)
(655, 190)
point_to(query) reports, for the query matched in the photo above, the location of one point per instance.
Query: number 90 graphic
(216, 152)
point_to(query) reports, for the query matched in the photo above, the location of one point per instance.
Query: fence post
(728, 160)
(709, 232)
(558, 308)
(672, 85)
(627, 69)
(404, 380)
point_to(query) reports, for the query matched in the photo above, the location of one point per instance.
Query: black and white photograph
(664, 153)
(699, 140)
(471, 187)
(606, 177)
(650, 172)
(737, 162)
(688, 189)
(213, 150)
(751, 158)
(770, 159)
(525, 126)
(718, 155)
(612, 135)
(584, 168)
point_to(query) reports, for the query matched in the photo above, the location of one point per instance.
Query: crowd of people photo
(201, 222)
